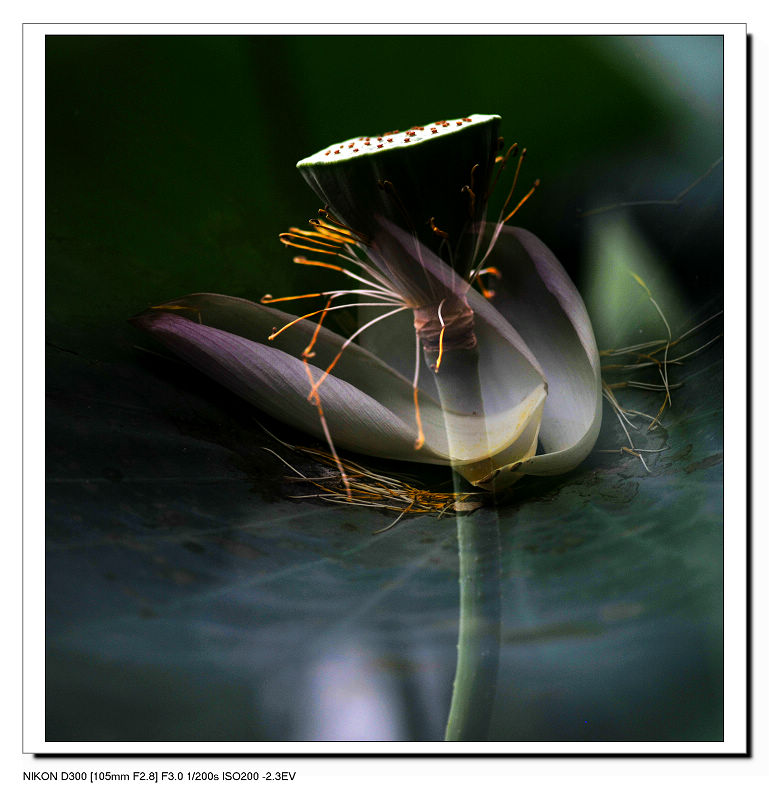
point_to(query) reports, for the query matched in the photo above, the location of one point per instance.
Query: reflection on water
(350, 698)
(358, 687)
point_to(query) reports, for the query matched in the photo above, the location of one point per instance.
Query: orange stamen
(268, 298)
(314, 398)
(299, 319)
(314, 249)
(421, 437)
(330, 367)
(308, 236)
(325, 238)
(440, 338)
(523, 200)
(436, 230)
(326, 373)
(341, 227)
(324, 212)
(487, 293)
(309, 262)
(502, 161)
(307, 352)
(440, 349)
(515, 181)
(287, 239)
(333, 232)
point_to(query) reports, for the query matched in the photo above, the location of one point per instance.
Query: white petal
(371, 412)
(494, 472)
(539, 298)
(278, 383)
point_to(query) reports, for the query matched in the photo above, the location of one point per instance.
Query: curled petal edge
(535, 289)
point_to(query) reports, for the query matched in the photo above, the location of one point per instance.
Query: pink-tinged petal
(381, 423)
(277, 383)
(540, 300)
(257, 321)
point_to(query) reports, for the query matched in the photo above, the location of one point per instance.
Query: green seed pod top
(429, 180)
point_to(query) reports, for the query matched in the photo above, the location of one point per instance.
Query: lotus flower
(512, 382)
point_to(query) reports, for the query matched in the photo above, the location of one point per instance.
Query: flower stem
(475, 679)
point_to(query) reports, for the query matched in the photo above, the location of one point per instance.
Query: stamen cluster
(391, 262)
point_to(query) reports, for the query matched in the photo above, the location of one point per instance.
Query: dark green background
(188, 598)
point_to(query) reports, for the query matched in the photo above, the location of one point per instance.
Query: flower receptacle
(432, 180)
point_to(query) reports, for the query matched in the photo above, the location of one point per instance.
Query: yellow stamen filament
(268, 298)
(502, 219)
(515, 182)
(487, 293)
(314, 391)
(436, 230)
(511, 152)
(377, 287)
(326, 265)
(522, 201)
(440, 350)
(475, 277)
(322, 311)
(313, 249)
(421, 435)
(342, 228)
(303, 232)
(325, 238)
(334, 232)
(324, 212)
(440, 338)
(332, 240)
(315, 400)
(502, 161)
(420, 440)
(307, 352)
(308, 236)
(299, 319)
(315, 386)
